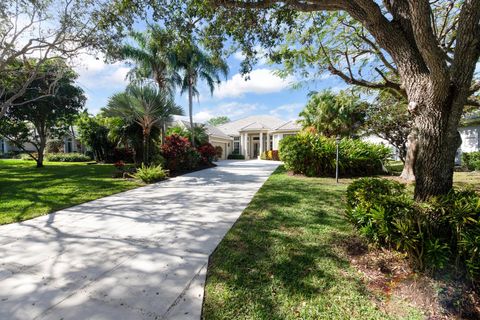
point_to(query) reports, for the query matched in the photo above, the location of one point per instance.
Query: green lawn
(27, 192)
(281, 260)
(285, 258)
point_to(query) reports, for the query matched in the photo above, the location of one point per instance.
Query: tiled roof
(289, 125)
(267, 122)
(216, 132)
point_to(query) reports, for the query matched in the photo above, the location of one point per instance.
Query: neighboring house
(256, 134)
(469, 132)
(70, 144)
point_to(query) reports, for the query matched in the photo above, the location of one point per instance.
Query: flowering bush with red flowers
(207, 152)
(179, 153)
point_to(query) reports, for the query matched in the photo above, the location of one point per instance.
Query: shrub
(67, 157)
(54, 146)
(471, 160)
(234, 156)
(122, 154)
(443, 231)
(314, 155)
(270, 155)
(150, 174)
(179, 154)
(26, 156)
(207, 153)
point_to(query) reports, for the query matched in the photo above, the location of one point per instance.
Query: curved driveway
(140, 254)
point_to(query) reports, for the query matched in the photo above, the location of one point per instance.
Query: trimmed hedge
(315, 155)
(67, 157)
(443, 232)
(471, 160)
(236, 157)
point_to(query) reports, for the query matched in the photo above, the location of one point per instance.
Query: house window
(236, 146)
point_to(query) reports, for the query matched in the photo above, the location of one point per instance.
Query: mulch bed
(394, 284)
(181, 173)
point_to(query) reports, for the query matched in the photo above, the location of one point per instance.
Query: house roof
(251, 123)
(216, 132)
(291, 125)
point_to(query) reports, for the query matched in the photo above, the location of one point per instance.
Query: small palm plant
(146, 106)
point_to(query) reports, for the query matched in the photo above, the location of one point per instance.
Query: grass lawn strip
(27, 192)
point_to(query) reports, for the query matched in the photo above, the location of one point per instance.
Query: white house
(70, 144)
(256, 134)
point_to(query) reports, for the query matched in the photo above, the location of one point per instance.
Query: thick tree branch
(426, 40)
(468, 37)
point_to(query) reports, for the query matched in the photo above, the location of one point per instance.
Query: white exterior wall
(470, 139)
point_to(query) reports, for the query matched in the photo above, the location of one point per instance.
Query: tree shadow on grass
(277, 262)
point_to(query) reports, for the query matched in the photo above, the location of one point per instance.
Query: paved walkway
(140, 254)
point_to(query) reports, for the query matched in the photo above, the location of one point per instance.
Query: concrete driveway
(140, 254)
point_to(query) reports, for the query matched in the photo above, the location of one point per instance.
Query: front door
(255, 149)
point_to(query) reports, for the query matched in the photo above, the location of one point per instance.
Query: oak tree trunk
(41, 151)
(408, 173)
(437, 113)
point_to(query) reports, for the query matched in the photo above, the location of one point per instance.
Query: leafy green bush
(67, 157)
(315, 155)
(443, 231)
(471, 160)
(150, 174)
(25, 156)
(234, 156)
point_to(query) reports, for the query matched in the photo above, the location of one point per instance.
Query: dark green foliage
(94, 132)
(235, 156)
(314, 155)
(443, 231)
(67, 157)
(471, 160)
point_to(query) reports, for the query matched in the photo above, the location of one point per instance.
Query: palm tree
(146, 106)
(154, 58)
(333, 114)
(198, 65)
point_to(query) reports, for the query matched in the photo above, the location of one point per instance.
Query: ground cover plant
(443, 232)
(150, 174)
(27, 192)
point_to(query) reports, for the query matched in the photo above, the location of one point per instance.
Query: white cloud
(94, 73)
(287, 111)
(231, 109)
(261, 81)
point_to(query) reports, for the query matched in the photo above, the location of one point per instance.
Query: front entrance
(256, 148)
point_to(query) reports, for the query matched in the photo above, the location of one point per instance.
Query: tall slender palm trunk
(190, 111)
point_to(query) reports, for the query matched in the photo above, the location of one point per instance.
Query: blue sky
(265, 93)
